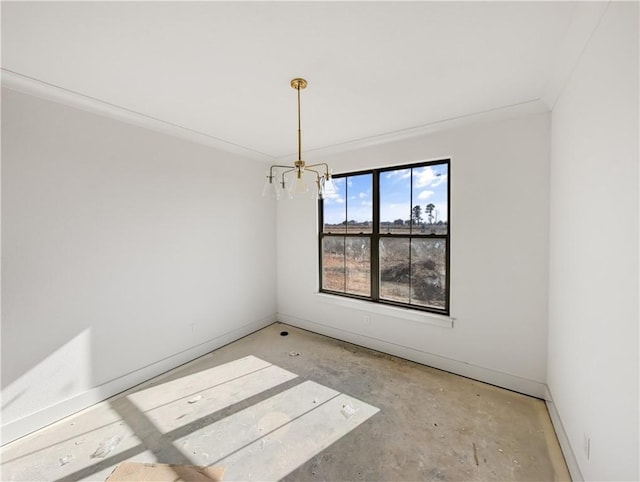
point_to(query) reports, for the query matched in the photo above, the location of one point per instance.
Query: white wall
(499, 258)
(125, 253)
(593, 302)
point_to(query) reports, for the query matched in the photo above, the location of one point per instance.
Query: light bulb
(271, 187)
(299, 186)
(329, 186)
(267, 190)
(285, 190)
(276, 190)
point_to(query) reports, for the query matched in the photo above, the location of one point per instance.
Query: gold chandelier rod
(299, 166)
(299, 84)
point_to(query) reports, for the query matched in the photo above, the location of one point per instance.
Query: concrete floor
(302, 407)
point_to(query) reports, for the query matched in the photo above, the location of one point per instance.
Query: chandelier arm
(326, 168)
(286, 172)
(276, 166)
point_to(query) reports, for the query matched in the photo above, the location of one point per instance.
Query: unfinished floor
(302, 407)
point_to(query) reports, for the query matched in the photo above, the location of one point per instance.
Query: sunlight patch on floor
(270, 439)
(174, 421)
(185, 400)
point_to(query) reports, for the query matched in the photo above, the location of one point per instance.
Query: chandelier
(290, 180)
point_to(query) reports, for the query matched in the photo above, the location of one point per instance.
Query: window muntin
(385, 236)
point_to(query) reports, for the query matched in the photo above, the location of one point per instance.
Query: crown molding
(27, 85)
(522, 109)
(37, 88)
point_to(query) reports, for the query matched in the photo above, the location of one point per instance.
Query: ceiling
(223, 69)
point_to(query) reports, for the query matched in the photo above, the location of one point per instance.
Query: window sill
(415, 316)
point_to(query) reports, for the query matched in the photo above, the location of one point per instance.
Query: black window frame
(376, 235)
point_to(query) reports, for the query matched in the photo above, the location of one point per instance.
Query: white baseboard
(19, 428)
(563, 439)
(487, 375)
(500, 379)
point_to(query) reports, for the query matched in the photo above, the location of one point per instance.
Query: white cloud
(333, 198)
(425, 195)
(424, 177)
(400, 174)
(439, 180)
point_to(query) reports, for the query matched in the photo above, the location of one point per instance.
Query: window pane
(359, 204)
(333, 270)
(334, 208)
(395, 269)
(395, 201)
(429, 203)
(428, 272)
(358, 266)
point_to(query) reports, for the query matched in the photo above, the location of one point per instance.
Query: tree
(429, 210)
(398, 222)
(416, 214)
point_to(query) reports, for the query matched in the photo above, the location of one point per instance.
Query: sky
(400, 190)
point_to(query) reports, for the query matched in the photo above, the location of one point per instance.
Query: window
(384, 236)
